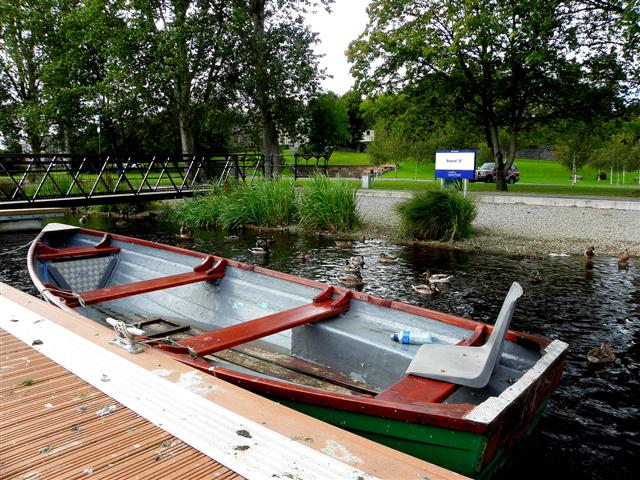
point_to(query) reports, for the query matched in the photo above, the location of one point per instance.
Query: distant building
(368, 136)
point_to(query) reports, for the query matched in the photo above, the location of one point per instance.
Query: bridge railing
(29, 180)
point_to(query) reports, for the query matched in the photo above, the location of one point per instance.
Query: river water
(591, 427)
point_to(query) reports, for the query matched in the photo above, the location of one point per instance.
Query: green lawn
(536, 176)
(349, 158)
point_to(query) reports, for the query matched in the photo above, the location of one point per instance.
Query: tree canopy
(507, 65)
(174, 75)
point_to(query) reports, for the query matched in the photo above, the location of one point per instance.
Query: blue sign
(456, 164)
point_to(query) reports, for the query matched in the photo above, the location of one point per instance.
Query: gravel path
(527, 229)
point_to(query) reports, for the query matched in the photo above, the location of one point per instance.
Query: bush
(438, 215)
(329, 204)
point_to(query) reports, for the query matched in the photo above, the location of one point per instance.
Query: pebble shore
(527, 230)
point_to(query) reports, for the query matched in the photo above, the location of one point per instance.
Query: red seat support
(201, 273)
(229, 337)
(419, 390)
(45, 252)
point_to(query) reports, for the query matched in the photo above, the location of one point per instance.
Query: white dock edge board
(210, 428)
(488, 410)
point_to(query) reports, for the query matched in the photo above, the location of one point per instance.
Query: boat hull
(332, 343)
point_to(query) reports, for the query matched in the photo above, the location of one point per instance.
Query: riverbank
(521, 228)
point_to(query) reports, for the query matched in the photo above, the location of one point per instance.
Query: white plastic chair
(464, 365)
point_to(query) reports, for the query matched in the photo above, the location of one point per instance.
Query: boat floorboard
(265, 362)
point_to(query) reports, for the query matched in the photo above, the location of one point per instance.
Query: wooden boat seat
(103, 247)
(464, 365)
(206, 271)
(322, 307)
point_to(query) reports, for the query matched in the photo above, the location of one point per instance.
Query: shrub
(438, 215)
(329, 204)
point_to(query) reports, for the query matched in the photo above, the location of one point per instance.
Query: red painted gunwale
(449, 416)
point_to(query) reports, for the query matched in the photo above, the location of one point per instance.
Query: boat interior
(302, 332)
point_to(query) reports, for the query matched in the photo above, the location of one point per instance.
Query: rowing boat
(446, 389)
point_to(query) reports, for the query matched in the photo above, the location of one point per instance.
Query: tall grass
(328, 204)
(268, 203)
(202, 211)
(438, 215)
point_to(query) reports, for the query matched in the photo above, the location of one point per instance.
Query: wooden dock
(26, 219)
(74, 406)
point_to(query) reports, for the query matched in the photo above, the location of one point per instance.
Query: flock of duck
(353, 266)
(623, 257)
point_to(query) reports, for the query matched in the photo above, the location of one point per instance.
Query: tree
(23, 31)
(277, 67)
(352, 101)
(80, 46)
(328, 122)
(510, 65)
(179, 56)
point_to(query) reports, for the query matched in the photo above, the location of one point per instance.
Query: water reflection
(591, 427)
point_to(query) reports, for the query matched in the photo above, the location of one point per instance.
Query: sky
(345, 23)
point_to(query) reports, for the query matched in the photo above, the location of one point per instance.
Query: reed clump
(201, 211)
(438, 215)
(329, 205)
(321, 204)
(266, 204)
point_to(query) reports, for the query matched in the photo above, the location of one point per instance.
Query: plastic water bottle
(408, 337)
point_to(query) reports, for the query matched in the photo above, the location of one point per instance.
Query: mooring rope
(16, 249)
(63, 292)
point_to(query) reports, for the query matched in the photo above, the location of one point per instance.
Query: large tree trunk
(269, 130)
(186, 132)
(182, 79)
(66, 135)
(270, 146)
(493, 141)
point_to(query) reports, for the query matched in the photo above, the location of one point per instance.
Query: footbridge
(65, 180)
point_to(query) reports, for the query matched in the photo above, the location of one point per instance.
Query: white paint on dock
(243, 445)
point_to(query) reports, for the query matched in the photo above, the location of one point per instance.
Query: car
(487, 173)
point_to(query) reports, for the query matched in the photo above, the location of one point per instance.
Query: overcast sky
(336, 29)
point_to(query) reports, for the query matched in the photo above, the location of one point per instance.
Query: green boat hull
(455, 450)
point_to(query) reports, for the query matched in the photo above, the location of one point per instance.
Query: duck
(259, 251)
(82, 220)
(303, 255)
(353, 280)
(121, 223)
(263, 242)
(588, 254)
(535, 278)
(357, 260)
(601, 354)
(344, 243)
(386, 259)
(624, 257)
(350, 266)
(426, 289)
(231, 238)
(185, 235)
(438, 277)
